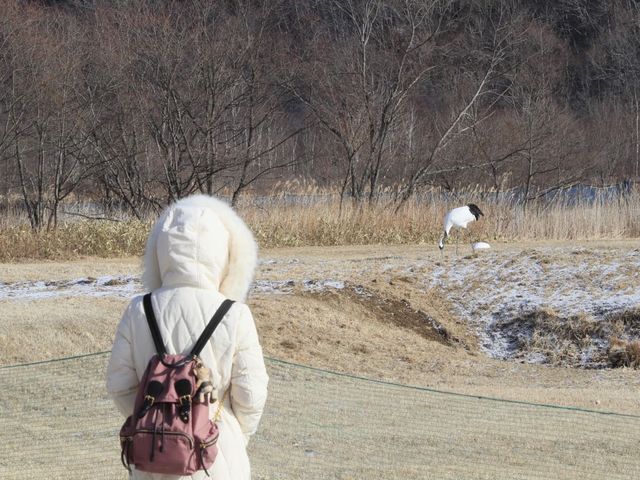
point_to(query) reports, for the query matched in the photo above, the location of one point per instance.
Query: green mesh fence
(57, 422)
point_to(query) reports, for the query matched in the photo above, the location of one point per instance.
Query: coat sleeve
(122, 380)
(248, 376)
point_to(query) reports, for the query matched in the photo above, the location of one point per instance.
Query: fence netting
(57, 422)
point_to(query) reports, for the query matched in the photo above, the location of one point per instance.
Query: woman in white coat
(199, 252)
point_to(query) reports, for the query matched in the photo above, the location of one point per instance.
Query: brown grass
(317, 218)
(633, 353)
(58, 327)
(337, 330)
(561, 341)
(624, 353)
(394, 331)
(325, 222)
(382, 431)
(73, 239)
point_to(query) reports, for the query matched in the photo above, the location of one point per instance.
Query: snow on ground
(118, 286)
(490, 289)
(128, 286)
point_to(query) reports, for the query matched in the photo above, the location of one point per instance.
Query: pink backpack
(170, 430)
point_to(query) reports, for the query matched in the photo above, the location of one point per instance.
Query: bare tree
(467, 115)
(144, 102)
(46, 112)
(204, 80)
(364, 70)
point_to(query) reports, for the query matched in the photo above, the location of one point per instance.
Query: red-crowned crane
(459, 217)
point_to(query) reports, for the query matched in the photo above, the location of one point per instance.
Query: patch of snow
(273, 286)
(490, 291)
(267, 262)
(106, 286)
(128, 286)
(321, 285)
(535, 357)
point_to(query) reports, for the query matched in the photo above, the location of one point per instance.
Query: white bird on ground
(459, 217)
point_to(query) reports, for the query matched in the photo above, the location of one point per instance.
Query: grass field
(383, 316)
(403, 314)
(320, 426)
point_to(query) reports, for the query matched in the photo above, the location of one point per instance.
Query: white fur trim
(243, 250)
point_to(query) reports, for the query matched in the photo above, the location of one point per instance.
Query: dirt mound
(400, 313)
(355, 328)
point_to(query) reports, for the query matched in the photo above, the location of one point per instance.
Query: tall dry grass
(314, 217)
(73, 239)
(324, 221)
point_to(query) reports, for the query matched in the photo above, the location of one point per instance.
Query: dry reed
(73, 239)
(289, 222)
(314, 217)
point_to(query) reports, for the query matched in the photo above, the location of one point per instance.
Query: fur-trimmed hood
(200, 241)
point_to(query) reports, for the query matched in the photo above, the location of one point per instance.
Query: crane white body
(459, 217)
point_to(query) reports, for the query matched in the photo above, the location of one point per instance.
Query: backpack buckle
(153, 390)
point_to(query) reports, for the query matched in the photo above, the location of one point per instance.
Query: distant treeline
(141, 102)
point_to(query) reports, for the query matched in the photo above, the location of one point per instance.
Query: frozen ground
(548, 304)
(126, 286)
(519, 303)
(406, 314)
(116, 286)
(497, 294)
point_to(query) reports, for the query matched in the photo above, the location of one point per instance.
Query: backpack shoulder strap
(153, 324)
(211, 326)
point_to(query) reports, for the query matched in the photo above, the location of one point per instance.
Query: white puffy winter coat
(198, 253)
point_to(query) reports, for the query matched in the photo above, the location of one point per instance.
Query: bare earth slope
(500, 323)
